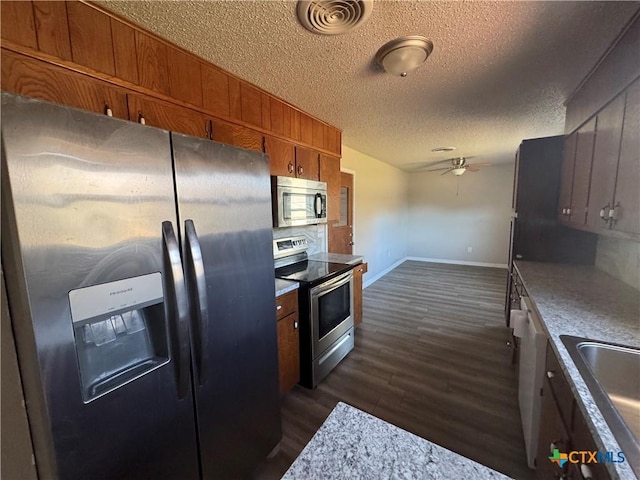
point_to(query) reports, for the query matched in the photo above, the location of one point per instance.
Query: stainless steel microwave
(298, 202)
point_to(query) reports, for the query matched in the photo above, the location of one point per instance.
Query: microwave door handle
(177, 308)
(317, 207)
(197, 288)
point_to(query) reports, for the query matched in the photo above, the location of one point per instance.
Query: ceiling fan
(458, 166)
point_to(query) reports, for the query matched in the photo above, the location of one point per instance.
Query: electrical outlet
(469, 249)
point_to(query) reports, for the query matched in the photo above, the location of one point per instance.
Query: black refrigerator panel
(224, 209)
(93, 278)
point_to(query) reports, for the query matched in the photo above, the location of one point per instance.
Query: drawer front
(286, 304)
(361, 268)
(559, 387)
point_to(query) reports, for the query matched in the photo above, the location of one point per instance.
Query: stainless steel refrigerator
(139, 272)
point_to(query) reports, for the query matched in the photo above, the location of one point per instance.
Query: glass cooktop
(311, 272)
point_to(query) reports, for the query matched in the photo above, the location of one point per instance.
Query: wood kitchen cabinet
(232, 134)
(34, 78)
(307, 163)
(282, 156)
(563, 427)
(168, 116)
(358, 272)
(288, 340)
(566, 179)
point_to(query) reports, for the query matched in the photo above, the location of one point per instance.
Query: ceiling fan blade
(437, 169)
(479, 165)
(472, 168)
(448, 170)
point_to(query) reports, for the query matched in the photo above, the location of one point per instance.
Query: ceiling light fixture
(458, 171)
(404, 54)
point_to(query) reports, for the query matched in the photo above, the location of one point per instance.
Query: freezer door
(225, 206)
(93, 293)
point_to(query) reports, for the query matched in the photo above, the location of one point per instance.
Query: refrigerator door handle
(197, 288)
(178, 308)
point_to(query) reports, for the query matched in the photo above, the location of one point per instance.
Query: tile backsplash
(620, 259)
(316, 236)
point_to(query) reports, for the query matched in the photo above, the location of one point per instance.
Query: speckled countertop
(336, 258)
(285, 286)
(352, 444)
(585, 302)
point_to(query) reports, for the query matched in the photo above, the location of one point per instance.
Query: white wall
(380, 211)
(447, 214)
(620, 259)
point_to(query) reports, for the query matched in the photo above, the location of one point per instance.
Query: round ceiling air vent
(333, 17)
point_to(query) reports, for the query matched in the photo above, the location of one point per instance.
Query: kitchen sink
(612, 374)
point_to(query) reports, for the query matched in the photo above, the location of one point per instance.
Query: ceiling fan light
(458, 171)
(404, 54)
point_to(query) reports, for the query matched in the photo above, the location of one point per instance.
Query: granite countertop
(355, 445)
(285, 286)
(585, 302)
(336, 258)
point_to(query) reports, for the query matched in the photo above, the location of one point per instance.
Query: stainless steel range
(325, 307)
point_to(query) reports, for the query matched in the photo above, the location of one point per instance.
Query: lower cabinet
(288, 340)
(358, 272)
(563, 428)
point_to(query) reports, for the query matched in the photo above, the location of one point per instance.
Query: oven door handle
(332, 284)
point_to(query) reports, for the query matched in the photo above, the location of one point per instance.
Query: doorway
(341, 232)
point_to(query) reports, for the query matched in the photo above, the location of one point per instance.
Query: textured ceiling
(499, 73)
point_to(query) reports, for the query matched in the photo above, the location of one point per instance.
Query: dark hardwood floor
(429, 357)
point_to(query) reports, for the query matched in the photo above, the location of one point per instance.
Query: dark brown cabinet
(582, 173)
(358, 272)
(288, 340)
(566, 179)
(226, 132)
(563, 428)
(625, 216)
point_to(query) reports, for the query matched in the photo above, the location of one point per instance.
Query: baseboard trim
(458, 262)
(369, 281)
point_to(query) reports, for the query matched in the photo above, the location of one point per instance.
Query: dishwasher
(533, 342)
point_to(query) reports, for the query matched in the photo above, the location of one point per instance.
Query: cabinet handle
(300, 170)
(278, 307)
(604, 212)
(208, 129)
(550, 374)
(141, 119)
(295, 325)
(107, 111)
(585, 471)
(569, 211)
(613, 213)
(564, 211)
(290, 167)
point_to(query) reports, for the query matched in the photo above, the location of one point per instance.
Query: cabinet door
(582, 173)
(330, 173)
(33, 78)
(566, 182)
(288, 352)
(581, 440)
(53, 28)
(552, 435)
(307, 164)
(91, 38)
(18, 24)
(605, 164)
(627, 195)
(167, 116)
(281, 156)
(232, 134)
(358, 272)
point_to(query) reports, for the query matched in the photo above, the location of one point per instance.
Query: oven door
(331, 311)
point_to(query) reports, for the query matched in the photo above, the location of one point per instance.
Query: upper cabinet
(625, 213)
(330, 173)
(601, 167)
(96, 60)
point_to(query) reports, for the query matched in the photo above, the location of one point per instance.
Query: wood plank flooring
(429, 357)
